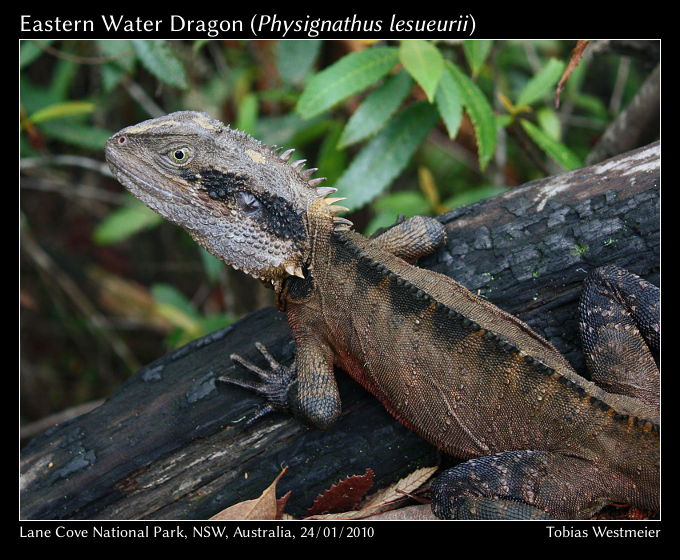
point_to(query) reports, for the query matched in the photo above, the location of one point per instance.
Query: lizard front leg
(306, 389)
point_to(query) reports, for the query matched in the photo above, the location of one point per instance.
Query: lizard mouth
(134, 182)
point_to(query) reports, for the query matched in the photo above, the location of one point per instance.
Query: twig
(77, 161)
(528, 147)
(70, 190)
(576, 56)
(82, 59)
(617, 92)
(633, 126)
(43, 261)
(140, 96)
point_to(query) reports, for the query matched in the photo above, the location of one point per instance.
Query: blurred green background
(410, 127)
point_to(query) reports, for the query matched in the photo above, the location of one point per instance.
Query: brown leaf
(419, 513)
(265, 507)
(386, 499)
(281, 503)
(576, 56)
(343, 496)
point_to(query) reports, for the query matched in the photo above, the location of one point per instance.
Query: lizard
(536, 439)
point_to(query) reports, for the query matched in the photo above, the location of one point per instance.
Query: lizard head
(242, 200)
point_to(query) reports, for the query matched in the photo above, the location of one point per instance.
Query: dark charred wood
(170, 444)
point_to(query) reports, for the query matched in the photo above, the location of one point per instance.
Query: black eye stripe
(271, 211)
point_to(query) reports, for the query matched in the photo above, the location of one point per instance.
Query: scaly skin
(475, 381)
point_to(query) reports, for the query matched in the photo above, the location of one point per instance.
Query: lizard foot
(275, 383)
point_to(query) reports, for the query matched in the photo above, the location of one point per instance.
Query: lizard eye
(247, 202)
(180, 155)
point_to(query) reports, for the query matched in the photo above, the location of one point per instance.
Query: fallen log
(170, 444)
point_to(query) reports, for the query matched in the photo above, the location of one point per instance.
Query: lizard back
(435, 333)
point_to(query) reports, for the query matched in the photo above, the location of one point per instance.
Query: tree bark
(169, 444)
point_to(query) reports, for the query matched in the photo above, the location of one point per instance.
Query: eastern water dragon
(537, 439)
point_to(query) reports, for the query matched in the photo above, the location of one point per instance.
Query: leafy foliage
(351, 74)
(386, 155)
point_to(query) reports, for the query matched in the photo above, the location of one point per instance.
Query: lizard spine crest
(339, 223)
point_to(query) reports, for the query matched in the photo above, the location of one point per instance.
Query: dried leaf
(397, 491)
(125, 298)
(387, 498)
(266, 507)
(343, 496)
(420, 512)
(576, 56)
(281, 504)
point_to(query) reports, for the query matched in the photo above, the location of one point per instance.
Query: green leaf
(121, 61)
(60, 110)
(389, 207)
(550, 123)
(158, 58)
(111, 76)
(166, 294)
(480, 112)
(424, 62)
(349, 75)
(331, 159)
(295, 59)
(386, 155)
(541, 83)
(476, 51)
(376, 109)
(289, 129)
(408, 203)
(503, 120)
(125, 222)
(556, 150)
(593, 105)
(178, 310)
(212, 266)
(63, 74)
(450, 103)
(246, 118)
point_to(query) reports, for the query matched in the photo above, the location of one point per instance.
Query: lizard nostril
(122, 140)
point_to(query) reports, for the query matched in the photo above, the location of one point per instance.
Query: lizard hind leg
(519, 485)
(620, 328)
(412, 238)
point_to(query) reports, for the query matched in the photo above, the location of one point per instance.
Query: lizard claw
(259, 413)
(275, 383)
